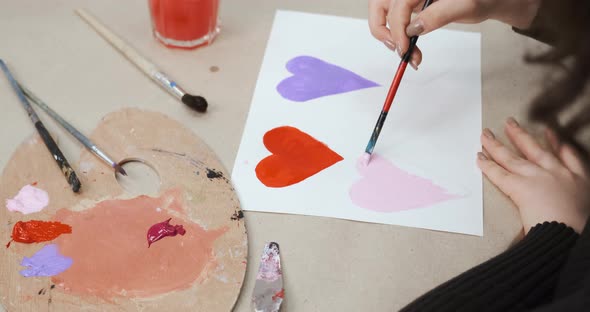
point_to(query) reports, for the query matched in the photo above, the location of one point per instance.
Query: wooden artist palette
(112, 268)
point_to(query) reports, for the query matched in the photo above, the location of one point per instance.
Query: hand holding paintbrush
(391, 95)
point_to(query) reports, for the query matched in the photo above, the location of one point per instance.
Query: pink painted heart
(313, 78)
(386, 188)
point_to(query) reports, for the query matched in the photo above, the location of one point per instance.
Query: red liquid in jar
(184, 23)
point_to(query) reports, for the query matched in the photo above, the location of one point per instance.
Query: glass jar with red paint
(186, 24)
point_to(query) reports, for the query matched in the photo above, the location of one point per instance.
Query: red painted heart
(295, 157)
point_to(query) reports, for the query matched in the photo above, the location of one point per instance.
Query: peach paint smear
(110, 253)
(29, 199)
(386, 188)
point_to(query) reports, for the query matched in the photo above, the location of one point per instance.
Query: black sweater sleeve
(523, 277)
(573, 288)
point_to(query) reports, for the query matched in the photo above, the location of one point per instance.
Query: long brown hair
(567, 87)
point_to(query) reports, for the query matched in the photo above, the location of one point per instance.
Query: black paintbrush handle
(406, 58)
(60, 159)
(63, 164)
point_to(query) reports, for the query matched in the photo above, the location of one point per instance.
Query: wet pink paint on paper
(387, 188)
(29, 199)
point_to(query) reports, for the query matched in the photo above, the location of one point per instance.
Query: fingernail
(390, 45)
(413, 64)
(481, 156)
(512, 122)
(488, 134)
(399, 50)
(416, 28)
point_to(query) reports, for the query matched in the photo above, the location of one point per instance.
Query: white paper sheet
(432, 130)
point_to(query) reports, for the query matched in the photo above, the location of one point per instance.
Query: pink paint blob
(29, 199)
(163, 229)
(386, 188)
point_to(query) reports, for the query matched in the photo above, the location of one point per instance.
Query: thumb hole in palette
(141, 179)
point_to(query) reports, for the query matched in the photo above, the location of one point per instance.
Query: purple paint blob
(386, 188)
(45, 262)
(163, 229)
(313, 78)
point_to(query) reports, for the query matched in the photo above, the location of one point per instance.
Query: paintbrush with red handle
(391, 95)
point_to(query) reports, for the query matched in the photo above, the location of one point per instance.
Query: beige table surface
(329, 264)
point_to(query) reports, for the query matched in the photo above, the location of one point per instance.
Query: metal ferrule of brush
(102, 155)
(168, 84)
(376, 132)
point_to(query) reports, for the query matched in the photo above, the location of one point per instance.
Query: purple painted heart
(313, 78)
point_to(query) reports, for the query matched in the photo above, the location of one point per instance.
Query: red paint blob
(185, 21)
(163, 229)
(38, 231)
(296, 157)
(280, 294)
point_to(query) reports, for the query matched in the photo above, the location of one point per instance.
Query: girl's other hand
(545, 184)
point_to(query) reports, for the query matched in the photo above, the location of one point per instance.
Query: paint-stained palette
(111, 268)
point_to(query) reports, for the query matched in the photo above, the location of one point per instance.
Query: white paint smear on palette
(432, 131)
(29, 199)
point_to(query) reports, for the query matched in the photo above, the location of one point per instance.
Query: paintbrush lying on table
(61, 160)
(195, 102)
(73, 131)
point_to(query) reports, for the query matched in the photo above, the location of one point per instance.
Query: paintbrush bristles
(365, 159)
(197, 103)
(120, 169)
